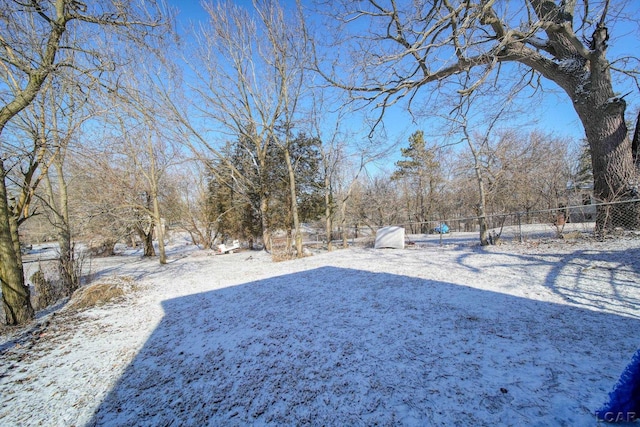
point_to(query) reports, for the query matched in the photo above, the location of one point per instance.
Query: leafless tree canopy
(396, 47)
(39, 40)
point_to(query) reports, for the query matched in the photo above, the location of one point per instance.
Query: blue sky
(554, 111)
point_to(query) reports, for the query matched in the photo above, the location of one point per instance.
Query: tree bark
(264, 218)
(16, 298)
(482, 210)
(614, 172)
(613, 168)
(147, 240)
(294, 203)
(343, 217)
(327, 206)
(69, 275)
(482, 196)
(159, 229)
(154, 183)
(483, 35)
(635, 143)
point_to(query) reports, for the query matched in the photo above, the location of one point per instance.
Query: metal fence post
(519, 227)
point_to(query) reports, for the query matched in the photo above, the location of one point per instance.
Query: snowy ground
(529, 334)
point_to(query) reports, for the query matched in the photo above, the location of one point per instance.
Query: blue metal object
(441, 229)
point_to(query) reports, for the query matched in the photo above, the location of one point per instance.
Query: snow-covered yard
(519, 334)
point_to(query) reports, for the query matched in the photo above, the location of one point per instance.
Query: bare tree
(66, 111)
(289, 56)
(532, 170)
(249, 70)
(198, 216)
(478, 147)
(35, 40)
(377, 202)
(512, 171)
(335, 159)
(146, 139)
(122, 190)
(345, 189)
(409, 45)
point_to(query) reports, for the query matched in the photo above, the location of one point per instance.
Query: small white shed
(390, 237)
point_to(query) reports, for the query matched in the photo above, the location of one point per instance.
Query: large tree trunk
(16, 299)
(613, 169)
(587, 81)
(602, 115)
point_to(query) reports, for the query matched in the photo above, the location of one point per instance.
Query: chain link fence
(592, 220)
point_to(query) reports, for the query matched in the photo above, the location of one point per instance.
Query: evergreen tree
(421, 171)
(234, 188)
(584, 171)
(308, 160)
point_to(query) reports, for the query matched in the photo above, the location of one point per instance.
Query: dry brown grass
(102, 292)
(572, 235)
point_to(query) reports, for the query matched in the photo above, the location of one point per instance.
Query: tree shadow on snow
(597, 279)
(334, 346)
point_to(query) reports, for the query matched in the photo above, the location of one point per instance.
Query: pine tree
(422, 171)
(584, 171)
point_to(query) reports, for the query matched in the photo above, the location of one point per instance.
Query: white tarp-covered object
(390, 237)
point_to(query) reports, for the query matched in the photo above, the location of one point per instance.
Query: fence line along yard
(569, 221)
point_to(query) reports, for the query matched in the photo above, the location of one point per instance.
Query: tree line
(115, 126)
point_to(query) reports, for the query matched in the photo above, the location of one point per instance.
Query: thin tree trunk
(60, 221)
(482, 200)
(264, 198)
(153, 181)
(482, 196)
(294, 203)
(327, 210)
(343, 220)
(343, 207)
(266, 232)
(482, 211)
(67, 262)
(159, 229)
